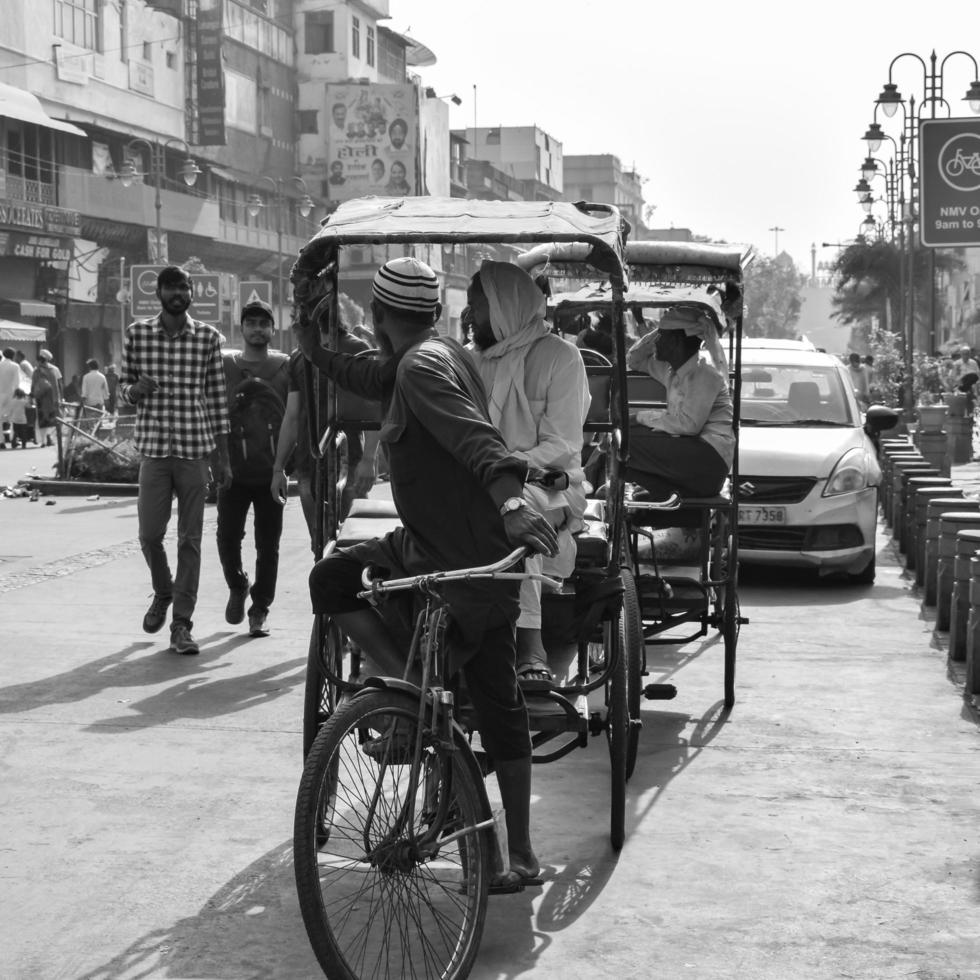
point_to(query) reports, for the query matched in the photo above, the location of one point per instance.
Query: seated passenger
(539, 397)
(689, 447)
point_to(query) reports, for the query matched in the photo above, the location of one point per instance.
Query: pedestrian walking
(9, 383)
(94, 390)
(46, 393)
(257, 383)
(26, 369)
(172, 373)
(112, 382)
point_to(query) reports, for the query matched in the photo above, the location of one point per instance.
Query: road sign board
(950, 185)
(144, 289)
(252, 290)
(207, 297)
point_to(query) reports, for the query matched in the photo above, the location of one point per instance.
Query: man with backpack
(257, 380)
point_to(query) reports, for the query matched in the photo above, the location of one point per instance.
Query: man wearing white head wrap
(539, 397)
(688, 448)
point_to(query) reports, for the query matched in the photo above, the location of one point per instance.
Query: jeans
(159, 480)
(233, 505)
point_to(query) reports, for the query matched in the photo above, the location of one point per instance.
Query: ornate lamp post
(304, 205)
(188, 171)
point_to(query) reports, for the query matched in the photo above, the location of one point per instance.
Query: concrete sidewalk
(824, 829)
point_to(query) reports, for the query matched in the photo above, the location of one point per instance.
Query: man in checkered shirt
(173, 374)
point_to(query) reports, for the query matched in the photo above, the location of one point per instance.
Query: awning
(225, 174)
(9, 330)
(15, 103)
(31, 307)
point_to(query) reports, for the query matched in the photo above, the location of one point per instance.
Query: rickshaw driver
(539, 398)
(689, 447)
(458, 491)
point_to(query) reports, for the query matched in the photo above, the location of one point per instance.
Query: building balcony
(105, 198)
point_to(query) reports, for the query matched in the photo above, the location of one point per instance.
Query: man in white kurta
(538, 394)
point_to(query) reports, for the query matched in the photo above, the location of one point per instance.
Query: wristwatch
(511, 504)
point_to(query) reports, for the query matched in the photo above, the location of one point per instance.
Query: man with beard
(172, 373)
(258, 386)
(459, 494)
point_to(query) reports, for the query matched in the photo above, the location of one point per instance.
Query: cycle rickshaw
(415, 831)
(676, 604)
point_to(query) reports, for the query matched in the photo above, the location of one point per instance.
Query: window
(147, 51)
(78, 21)
(241, 102)
(493, 137)
(171, 59)
(318, 28)
(308, 121)
(370, 46)
(355, 37)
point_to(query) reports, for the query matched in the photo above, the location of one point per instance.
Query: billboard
(372, 141)
(950, 182)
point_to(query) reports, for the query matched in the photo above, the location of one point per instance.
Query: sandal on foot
(515, 879)
(535, 676)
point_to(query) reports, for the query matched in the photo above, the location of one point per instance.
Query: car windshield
(794, 395)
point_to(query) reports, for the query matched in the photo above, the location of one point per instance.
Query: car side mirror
(878, 418)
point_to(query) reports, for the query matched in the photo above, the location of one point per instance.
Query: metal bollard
(907, 479)
(930, 552)
(937, 485)
(967, 546)
(887, 473)
(973, 630)
(949, 525)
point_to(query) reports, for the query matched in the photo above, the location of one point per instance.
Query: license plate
(761, 515)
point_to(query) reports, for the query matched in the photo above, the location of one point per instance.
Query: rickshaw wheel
(635, 657)
(617, 729)
(320, 696)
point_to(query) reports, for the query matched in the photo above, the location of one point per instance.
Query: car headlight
(852, 473)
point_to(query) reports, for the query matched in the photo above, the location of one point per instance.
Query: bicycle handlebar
(497, 570)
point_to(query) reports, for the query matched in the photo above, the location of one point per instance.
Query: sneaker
(256, 623)
(156, 615)
(181, 640)
(235, 609)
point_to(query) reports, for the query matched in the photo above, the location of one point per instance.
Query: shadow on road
(251, 927)
(199, 691)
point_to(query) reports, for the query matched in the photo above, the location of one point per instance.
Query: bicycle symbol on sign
(961, 163)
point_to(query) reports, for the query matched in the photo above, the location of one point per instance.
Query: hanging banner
(372, 141)
(210, 75)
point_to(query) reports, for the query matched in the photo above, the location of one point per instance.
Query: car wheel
(867, 577)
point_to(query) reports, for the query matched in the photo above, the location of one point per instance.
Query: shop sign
(34, 247)
(38, 217)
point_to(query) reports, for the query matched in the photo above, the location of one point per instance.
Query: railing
(31, 191)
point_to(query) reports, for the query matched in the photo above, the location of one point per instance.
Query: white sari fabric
(539, 397)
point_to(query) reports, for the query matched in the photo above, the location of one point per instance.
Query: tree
(869, 282)
(772, 293)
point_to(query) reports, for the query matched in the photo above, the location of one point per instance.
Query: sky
(741, 117)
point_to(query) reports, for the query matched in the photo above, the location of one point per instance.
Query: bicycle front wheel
(391, 873)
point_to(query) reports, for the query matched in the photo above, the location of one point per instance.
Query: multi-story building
(524, 153)
(600, 177)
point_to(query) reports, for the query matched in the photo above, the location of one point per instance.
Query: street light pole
(189, 171)
(304, 206)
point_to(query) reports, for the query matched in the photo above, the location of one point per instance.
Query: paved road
(825, 829)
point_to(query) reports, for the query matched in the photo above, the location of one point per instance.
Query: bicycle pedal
(660, 692)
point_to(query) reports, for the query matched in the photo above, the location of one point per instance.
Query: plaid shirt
(182, 417)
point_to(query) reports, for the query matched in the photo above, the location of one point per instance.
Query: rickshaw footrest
(660, 692)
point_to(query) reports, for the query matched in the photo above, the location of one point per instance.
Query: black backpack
(256, 406)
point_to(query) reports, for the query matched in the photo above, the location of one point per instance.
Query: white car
(808, 471)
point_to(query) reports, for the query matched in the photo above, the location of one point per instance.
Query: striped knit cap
(407, 284)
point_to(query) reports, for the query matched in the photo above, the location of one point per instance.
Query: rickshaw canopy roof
(598, 296)
(649, 261)
(379, 220)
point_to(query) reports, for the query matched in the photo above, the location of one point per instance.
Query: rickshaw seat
(369, 507)
(357, 529)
